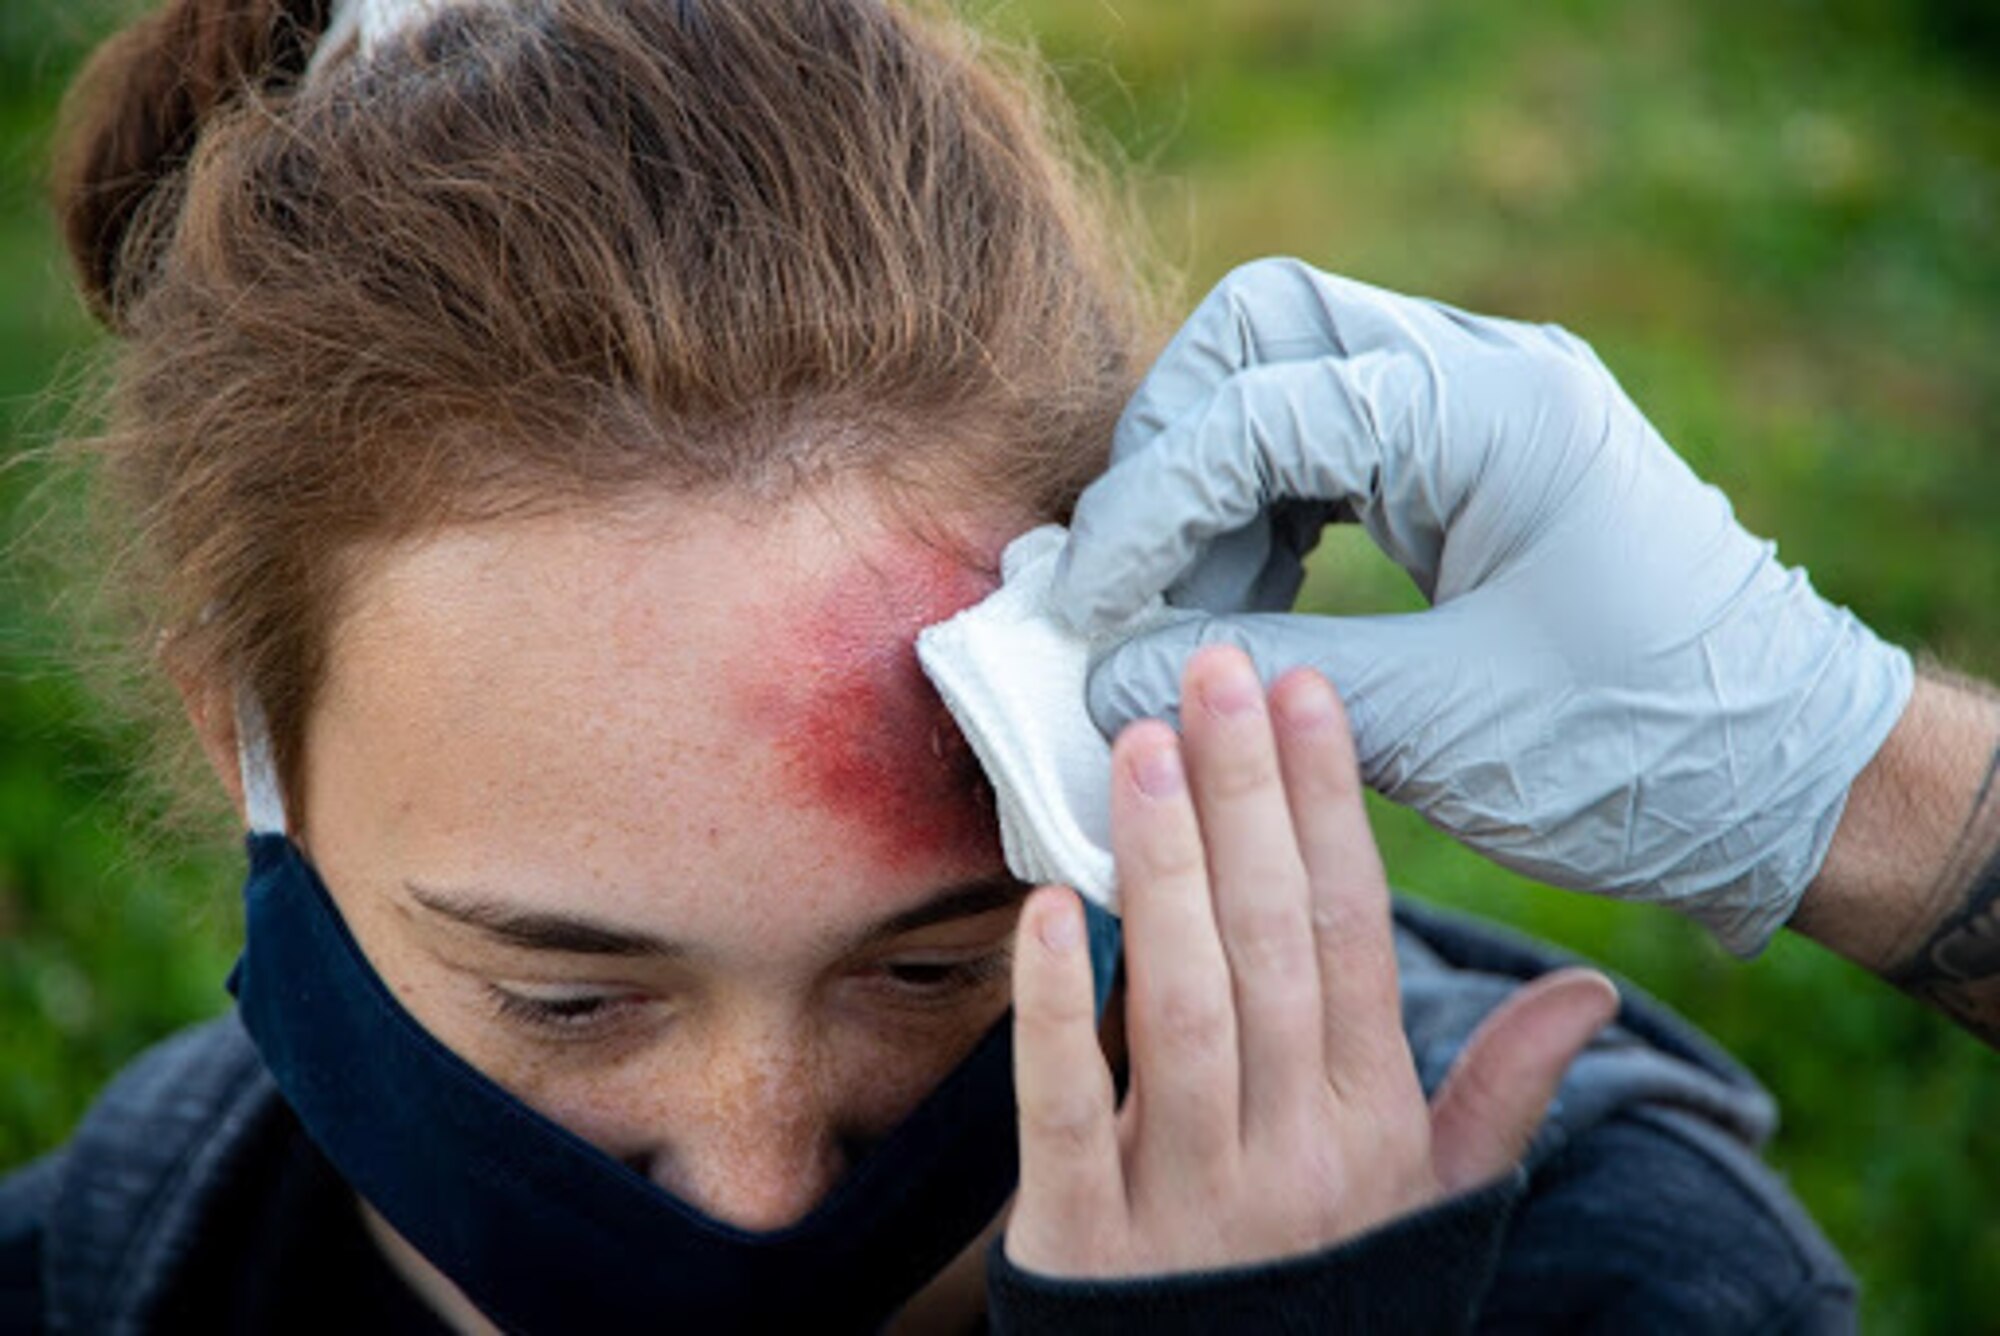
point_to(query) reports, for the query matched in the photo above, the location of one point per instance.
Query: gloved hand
(1617, 688)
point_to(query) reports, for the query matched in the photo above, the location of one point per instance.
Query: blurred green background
(1778, 222)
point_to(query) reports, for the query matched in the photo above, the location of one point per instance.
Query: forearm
(1911, 885)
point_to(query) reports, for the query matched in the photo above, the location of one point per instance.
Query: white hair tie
(358, 27)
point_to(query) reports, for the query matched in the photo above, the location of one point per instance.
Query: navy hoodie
(190, 1200)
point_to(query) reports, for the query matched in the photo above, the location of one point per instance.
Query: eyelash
(573, 1017)
(944, 979)
(566, 1016)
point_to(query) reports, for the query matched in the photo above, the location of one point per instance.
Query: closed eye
(565, 1014)
(948, 977)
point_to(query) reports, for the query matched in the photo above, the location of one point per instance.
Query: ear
(211, 711)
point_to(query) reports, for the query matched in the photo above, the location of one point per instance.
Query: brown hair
(537, 252)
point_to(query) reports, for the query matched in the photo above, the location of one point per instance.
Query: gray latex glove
(1617, 688)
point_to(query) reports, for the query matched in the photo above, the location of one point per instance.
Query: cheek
(860, 733)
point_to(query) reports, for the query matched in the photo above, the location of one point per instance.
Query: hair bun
(134, 115)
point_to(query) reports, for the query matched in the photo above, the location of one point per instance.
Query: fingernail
(1232, 691)
(1059, 931)
(1306, 706)
(1158, 773)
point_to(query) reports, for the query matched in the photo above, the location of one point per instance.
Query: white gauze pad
(1013, 675)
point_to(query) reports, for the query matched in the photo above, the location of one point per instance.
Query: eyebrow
(580, 935)
(538, 930)
(968, 900)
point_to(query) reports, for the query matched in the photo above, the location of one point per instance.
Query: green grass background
(1779, 223)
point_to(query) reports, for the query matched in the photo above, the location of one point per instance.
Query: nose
(756, 1145)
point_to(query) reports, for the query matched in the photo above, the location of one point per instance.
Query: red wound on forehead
(861, 732)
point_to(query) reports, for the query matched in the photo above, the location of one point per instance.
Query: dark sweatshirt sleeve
(1655, 1223)
(25, 1197)
(1424, 1272)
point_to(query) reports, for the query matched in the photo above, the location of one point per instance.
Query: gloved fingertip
(1081, 602)
(1141, 678)
(1128, 685)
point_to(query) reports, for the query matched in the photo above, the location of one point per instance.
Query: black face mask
(545, 1233)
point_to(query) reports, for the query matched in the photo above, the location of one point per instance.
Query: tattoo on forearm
(1957, 968)
(1980, 799)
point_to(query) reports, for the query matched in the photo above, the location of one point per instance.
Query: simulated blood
(861, 732)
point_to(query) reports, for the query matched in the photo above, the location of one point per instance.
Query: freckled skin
(863, 734)
(708, 729)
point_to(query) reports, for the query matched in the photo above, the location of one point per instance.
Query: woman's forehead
(739, 689)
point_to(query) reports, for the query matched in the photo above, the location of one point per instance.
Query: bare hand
(1274, 1107)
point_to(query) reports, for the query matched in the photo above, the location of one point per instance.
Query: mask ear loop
(263, 797)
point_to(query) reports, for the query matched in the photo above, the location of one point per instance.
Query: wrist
(1425, 1271)
(1912, 817)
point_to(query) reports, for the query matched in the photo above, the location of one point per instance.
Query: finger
(1349, 894)
(1178, 1012)
(1386, 667)
(1268, 310)
(1259, 887)
(1279, 309)
(1285, 383)
(1072, 1181)
(1497, 1092)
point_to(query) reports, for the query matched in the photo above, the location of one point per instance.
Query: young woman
(544, 428)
